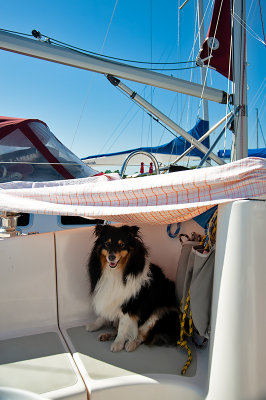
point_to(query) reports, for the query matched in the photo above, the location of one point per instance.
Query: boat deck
(44, 306)
(101, 363)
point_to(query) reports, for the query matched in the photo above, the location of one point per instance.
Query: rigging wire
(87, 52)
(171, 109)
(262, 107)
(262, 133)
(250, 8)
(178, 55)
(116, 128)
(107, 32)
(189, 102)
(208, 9)
(91, 82)
(208, 65)
(16, 33)
(252, 17)
(148, 113)
(129, 121)
(248, 29)
(262, 24)
(61, 44)
(144, 111)
(209, 59)
(144, 68)
(143, 95)
(178, 105)
(208, 68)
(258, 94)
(256, 128)
(151, 89)
(170, 63)
(71, 47)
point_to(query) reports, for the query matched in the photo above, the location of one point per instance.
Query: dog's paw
(117, 346)
(104, 337)
(132, 345)
(91, 327)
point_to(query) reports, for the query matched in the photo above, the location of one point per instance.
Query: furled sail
(216, 49)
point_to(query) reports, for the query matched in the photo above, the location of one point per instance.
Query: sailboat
(45, 351)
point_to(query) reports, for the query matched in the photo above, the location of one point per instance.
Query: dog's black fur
(153, 304)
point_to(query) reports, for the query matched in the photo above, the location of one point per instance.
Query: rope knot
(182, 343)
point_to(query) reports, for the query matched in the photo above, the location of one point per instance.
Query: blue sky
(83, 110)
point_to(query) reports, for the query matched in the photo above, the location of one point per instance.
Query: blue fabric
(204, 218)
(251, 153)
(177, 146)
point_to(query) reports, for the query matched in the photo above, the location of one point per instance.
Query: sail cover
(215, 50)
(30, 152)
(156, 199)
(165, 153)
(251, 153)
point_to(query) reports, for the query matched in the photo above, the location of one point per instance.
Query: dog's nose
(111, 257)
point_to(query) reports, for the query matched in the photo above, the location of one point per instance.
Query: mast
(240, 79)
(216, 53)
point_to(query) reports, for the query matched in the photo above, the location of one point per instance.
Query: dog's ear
(99, 229)
(133, 230)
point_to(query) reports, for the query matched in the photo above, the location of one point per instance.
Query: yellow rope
(209, 238)
(181, 342)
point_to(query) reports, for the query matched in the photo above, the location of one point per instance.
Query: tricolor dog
(129, 292)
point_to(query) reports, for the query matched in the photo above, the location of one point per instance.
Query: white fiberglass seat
(33, 354)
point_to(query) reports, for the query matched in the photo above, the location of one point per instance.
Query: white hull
(118, 160)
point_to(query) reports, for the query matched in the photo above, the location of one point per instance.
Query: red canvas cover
(30, 151)
(8, 124)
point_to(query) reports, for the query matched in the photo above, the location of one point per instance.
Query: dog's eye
(107, 244)
(122, 246)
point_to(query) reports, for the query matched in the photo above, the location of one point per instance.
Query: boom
(50, 52)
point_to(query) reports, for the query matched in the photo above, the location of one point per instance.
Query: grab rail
(134, 153)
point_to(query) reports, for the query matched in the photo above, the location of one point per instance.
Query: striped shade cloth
(156, 199)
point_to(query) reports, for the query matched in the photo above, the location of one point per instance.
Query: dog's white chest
(110, 293)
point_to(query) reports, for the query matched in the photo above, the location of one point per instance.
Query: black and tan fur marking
(129, 291)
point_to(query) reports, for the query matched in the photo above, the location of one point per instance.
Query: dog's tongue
(112, 264)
